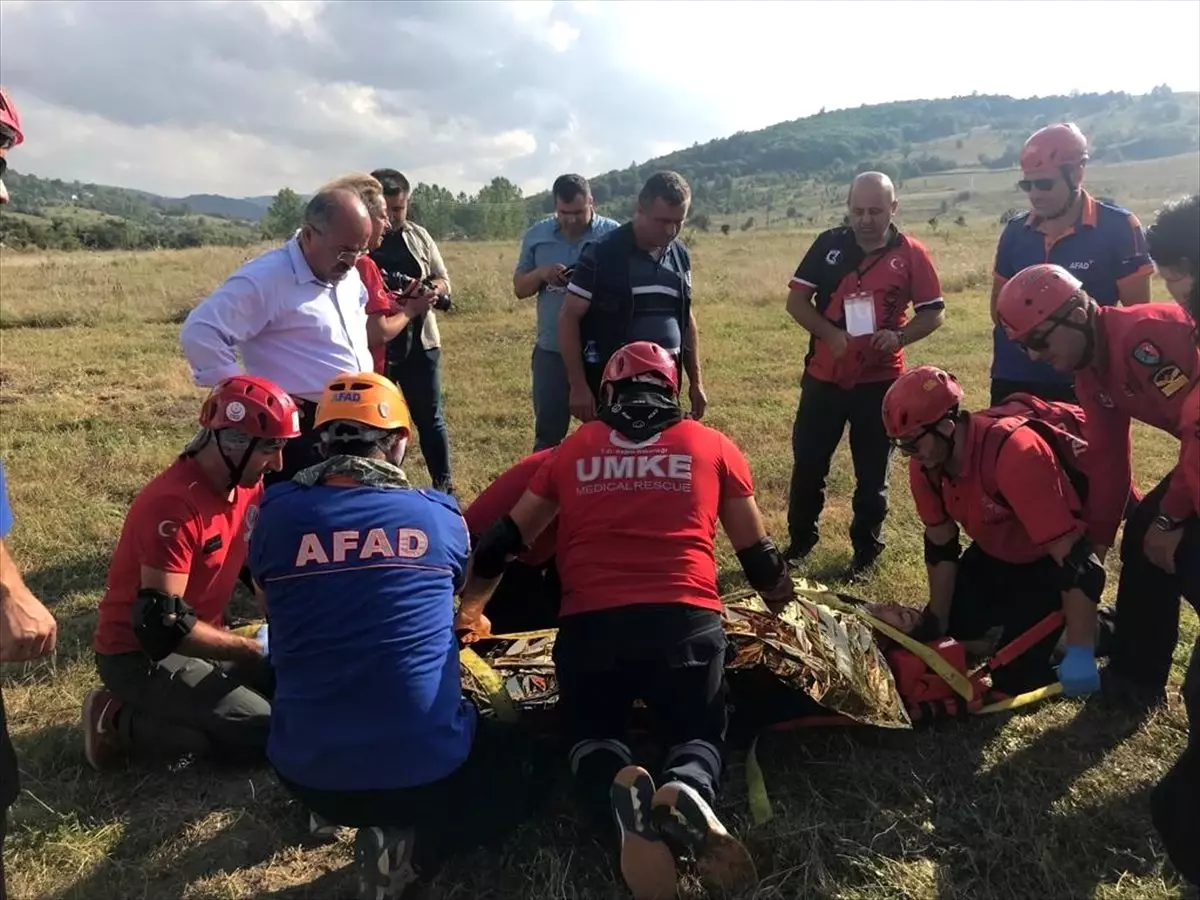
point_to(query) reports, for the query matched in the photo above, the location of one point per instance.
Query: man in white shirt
(296, 314)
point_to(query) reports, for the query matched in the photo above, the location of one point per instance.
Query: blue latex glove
(261, 637)
(1078, 672)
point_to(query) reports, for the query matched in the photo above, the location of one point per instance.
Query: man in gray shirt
(549, 251)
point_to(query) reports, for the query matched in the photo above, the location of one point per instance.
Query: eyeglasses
(1042, 184)
(908, 446)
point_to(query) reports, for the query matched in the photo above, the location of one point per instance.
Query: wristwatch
(1165, 523)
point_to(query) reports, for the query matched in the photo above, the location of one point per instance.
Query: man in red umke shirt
(637, 494)
(175, 680)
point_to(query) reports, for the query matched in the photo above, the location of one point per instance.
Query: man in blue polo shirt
(1101, 245)
(635, 284)
(549, 252)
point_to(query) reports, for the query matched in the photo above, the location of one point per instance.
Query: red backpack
(1059, 424)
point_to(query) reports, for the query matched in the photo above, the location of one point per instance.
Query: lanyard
(862, 273)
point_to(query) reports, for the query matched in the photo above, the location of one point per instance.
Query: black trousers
(821, 417)
(1175, 801)
(1147, 609)
(990, 593)
(1002, 388)
(479, 804)
(671, 657)
(418, 374)
(183, 705)
(10, 785)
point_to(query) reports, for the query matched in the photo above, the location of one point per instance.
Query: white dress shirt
(289, 326)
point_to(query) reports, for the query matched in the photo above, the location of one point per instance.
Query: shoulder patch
(1169, 380)
(1147, 353)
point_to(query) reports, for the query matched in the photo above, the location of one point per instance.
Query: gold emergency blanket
(829, 656)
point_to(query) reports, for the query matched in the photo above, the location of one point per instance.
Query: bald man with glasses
(296, 315)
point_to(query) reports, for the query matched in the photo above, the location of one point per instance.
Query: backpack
(1059, 424)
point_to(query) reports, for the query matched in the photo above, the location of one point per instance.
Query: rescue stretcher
(827, 660)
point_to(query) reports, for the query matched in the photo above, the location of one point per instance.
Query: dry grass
(95, 398)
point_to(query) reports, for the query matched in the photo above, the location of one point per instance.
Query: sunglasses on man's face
(1040, 340)
(1042, 184)
(908, 446)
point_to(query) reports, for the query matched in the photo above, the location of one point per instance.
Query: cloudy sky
(242, 97)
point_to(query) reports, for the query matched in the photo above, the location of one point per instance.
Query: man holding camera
(414, 356)
(549, 252)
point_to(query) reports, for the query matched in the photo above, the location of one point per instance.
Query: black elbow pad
(763, 564)
(499, 542)
(940, 553)
(161, 621)
(1082, 569)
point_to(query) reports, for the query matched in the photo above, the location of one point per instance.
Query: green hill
(952, 157)
(781, 165)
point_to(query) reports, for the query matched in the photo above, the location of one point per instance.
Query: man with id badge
(852, 292)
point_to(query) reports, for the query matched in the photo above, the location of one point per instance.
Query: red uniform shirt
(1146, 363)
(1189, 450)
(177, 523)
(637, 522)
(1040, 505)
(379, 300)
(499, 497)
(849, 285)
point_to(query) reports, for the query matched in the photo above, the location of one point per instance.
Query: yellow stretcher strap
(1042, 693)
(506, 711)
(756, 787)
(960, 683)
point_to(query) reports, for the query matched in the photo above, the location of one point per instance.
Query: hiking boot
(685, 819)
(647, 864)
(383, 858)
(101, 744)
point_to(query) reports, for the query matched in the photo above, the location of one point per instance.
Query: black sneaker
(647, 864)
(796, 553)
(686, 820)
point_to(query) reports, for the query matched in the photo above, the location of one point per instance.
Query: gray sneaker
(383, 858)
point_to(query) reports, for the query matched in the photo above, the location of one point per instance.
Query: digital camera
(398, 283)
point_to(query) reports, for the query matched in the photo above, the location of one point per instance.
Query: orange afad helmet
(364, 398)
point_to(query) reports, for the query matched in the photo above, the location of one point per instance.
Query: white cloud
(244, 97)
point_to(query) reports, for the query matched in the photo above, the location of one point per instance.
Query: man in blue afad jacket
(369, 727)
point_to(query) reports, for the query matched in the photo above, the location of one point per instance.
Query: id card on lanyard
(859, 306)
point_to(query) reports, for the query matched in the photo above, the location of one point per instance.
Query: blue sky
(244, 96)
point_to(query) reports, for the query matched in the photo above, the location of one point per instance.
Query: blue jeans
(418, 374)
(551, 399)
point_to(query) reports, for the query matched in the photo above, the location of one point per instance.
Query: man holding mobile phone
(549, 252)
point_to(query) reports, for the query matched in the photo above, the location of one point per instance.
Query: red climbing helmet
(252, 405)
(1049, 149)
(1031, 296)
(10, 119)
(919, 398)
(641, 358)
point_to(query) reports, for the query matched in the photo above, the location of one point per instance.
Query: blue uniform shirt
(1105, 248)
(6, 517)
(359, 585)
(545, 244)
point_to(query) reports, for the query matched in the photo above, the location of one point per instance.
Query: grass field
(95, 398)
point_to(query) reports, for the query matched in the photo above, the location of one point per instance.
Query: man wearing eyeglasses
(296, 314)
(1140, 363)
(549, 251)
(1103, 246)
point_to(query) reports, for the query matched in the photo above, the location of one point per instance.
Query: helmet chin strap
(1071, 198)
(236, 470)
